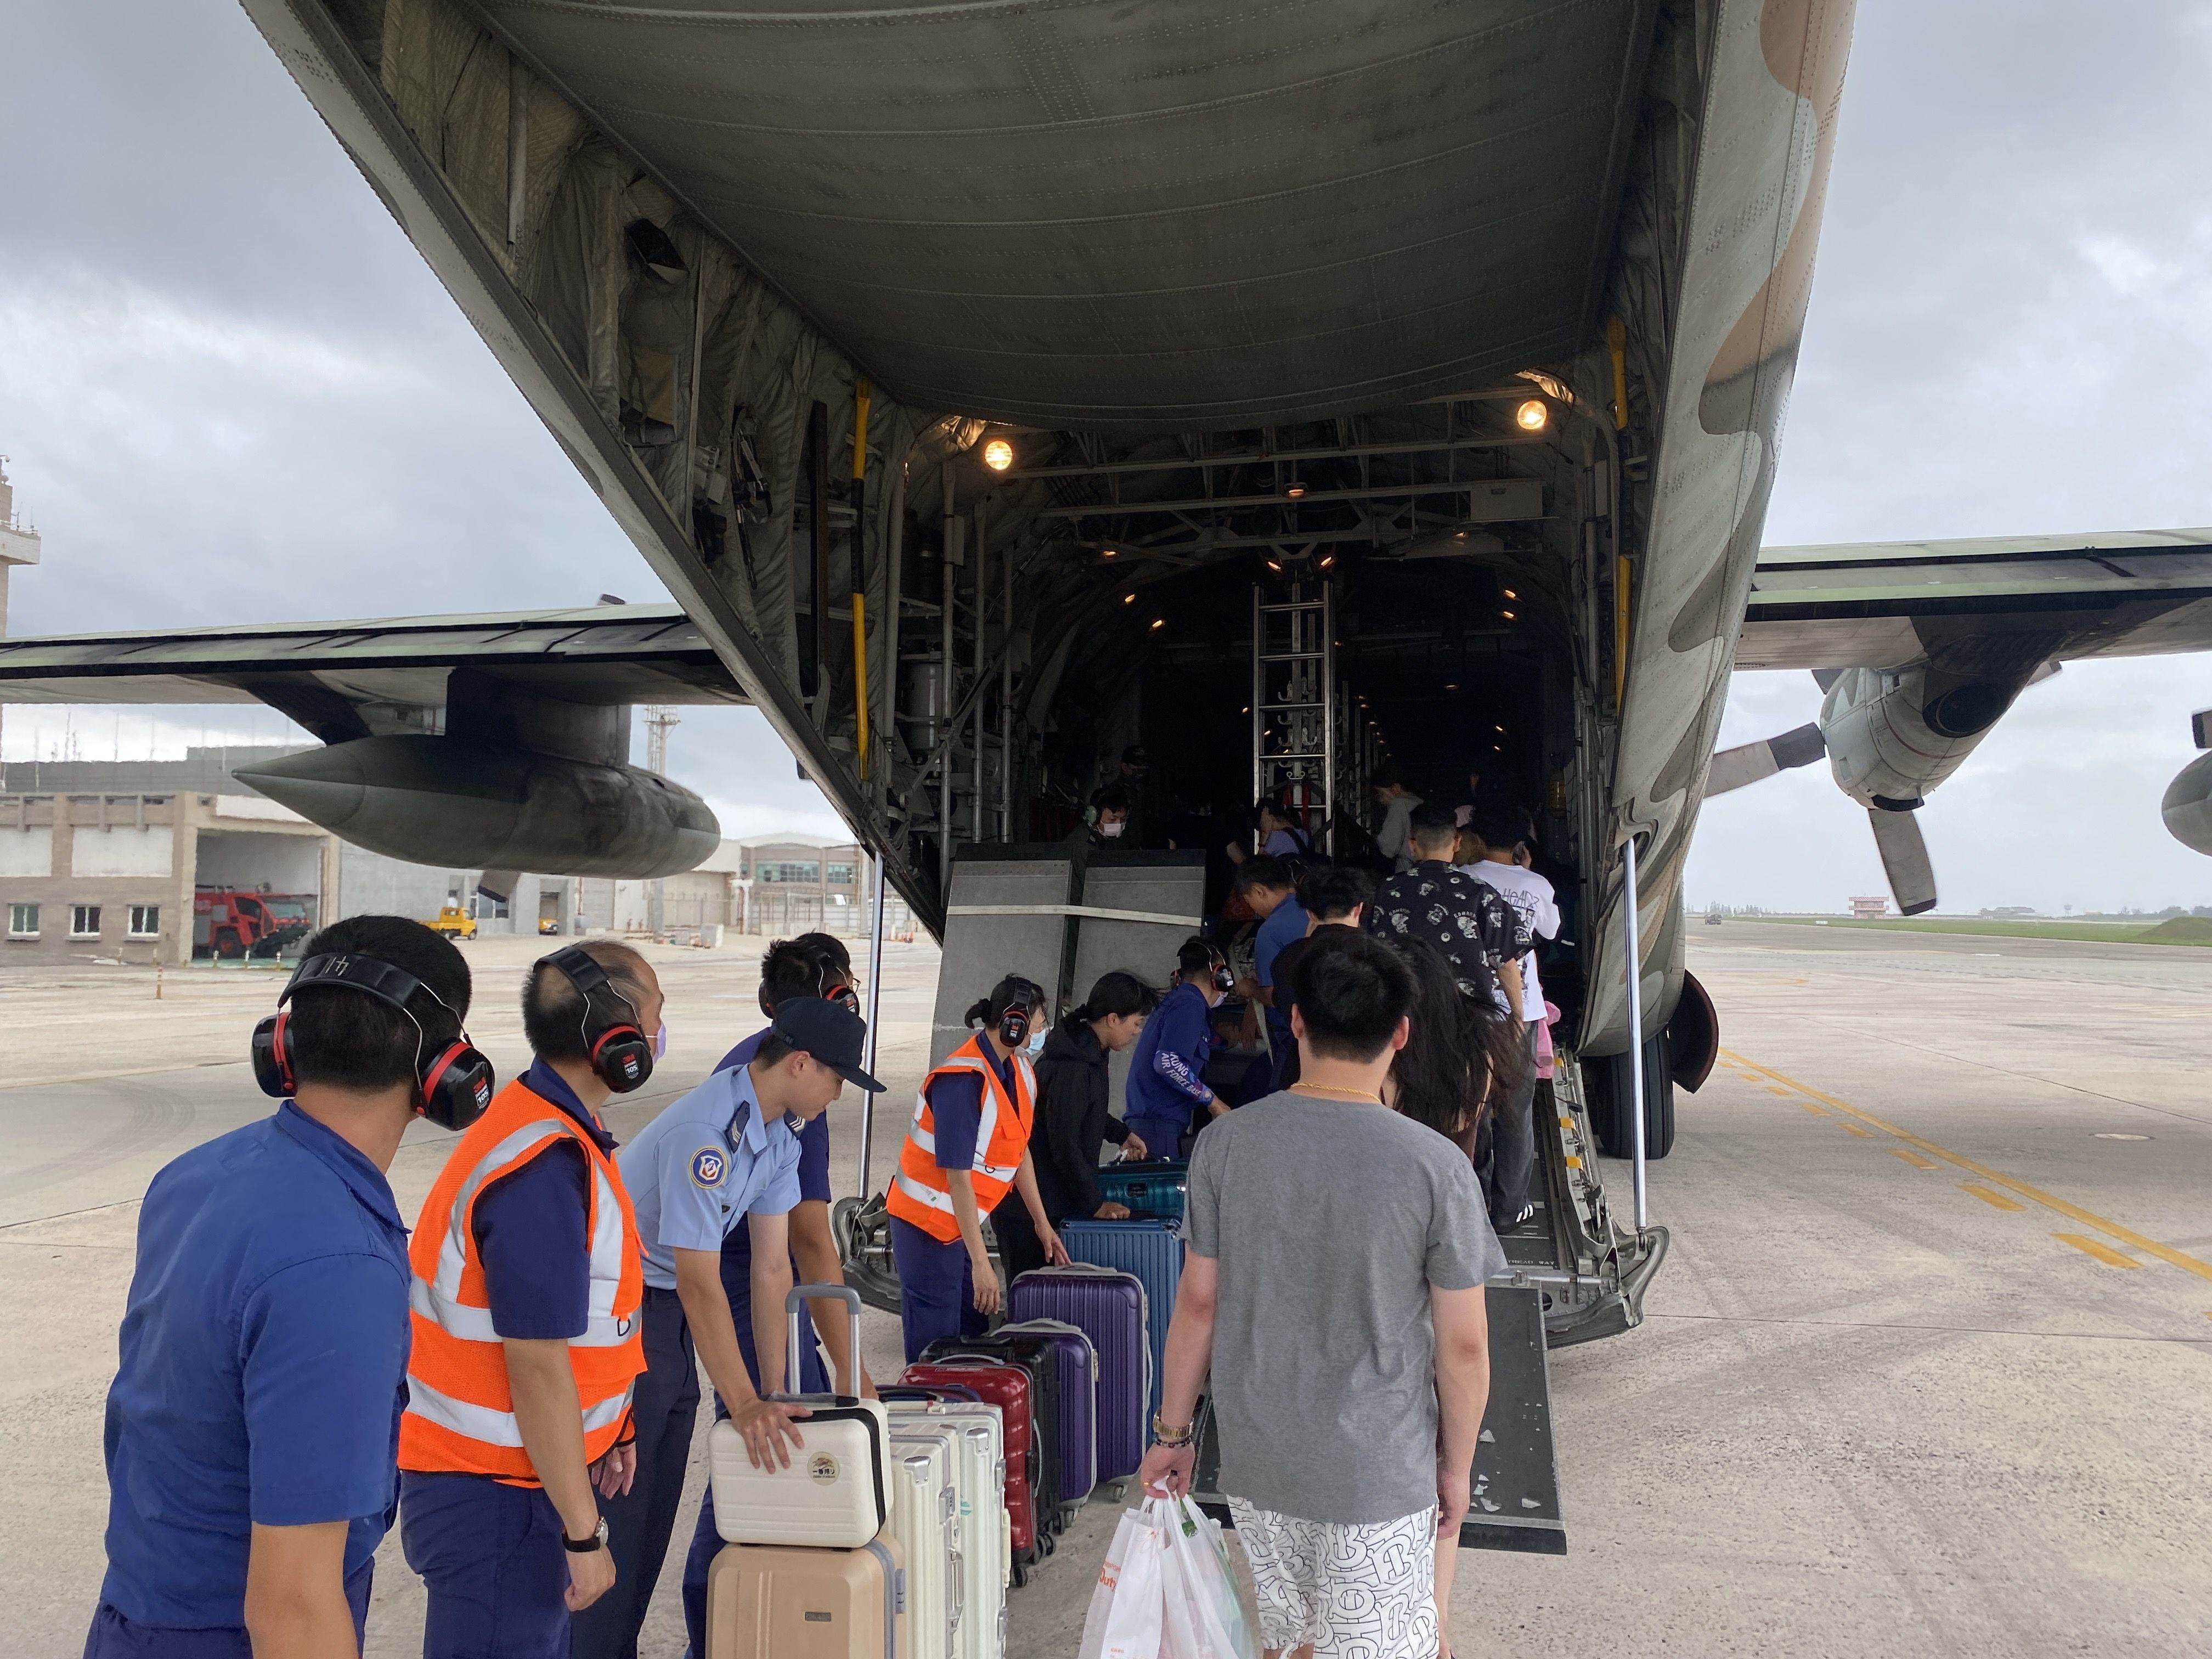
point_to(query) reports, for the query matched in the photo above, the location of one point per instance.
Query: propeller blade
(1904, 860)
(1751, 762)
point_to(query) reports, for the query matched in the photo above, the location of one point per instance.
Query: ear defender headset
(617, 1049)
(1021, 1010)
(452, 1084)
(1218, 964)
(841, 993)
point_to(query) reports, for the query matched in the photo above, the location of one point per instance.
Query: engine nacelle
(465, 804)
(1892, 734)
(2187, 806)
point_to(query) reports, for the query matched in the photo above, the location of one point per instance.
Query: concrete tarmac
(1924, 1374)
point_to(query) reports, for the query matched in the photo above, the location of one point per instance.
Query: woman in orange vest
(528, 1286)
(968, 1143)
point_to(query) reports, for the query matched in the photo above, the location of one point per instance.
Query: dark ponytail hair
(1116, 994)
(985, 1011)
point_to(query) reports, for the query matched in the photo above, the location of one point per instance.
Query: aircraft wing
(349, 680)
(1884, 603)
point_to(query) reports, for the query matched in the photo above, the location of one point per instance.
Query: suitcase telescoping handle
(799, 1297)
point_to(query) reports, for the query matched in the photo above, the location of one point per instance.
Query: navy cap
(829, 1031)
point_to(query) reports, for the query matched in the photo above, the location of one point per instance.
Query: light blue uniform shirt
(705, 1164)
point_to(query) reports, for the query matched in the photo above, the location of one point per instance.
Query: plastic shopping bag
(1127, 1607)
(1204, 1615)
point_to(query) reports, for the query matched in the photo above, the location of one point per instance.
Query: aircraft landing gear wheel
(1606, 1082)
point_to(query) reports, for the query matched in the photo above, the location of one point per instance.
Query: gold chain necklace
(1342, 1094)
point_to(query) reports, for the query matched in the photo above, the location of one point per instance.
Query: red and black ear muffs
(452, 1084)
(1018, 1015)
(841, 993)
(619, 1050)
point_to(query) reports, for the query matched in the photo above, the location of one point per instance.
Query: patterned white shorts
(1355, 1590)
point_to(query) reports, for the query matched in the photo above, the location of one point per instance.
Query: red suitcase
(1006, 1387)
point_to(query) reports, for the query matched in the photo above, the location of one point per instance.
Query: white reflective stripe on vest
(921, 1194)
(442, 1297)
(998, 1172)
(474, 1324)
(493, 1427)
(925, 1139)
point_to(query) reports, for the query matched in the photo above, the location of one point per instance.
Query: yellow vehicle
(454, 922)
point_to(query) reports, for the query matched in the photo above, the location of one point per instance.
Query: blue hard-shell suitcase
(1151, 1188)
(1109, 1307)
(1153, 1250)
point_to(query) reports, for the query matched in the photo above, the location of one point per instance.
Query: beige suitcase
(836, 1491)
(925, 1519)
(769, 1602)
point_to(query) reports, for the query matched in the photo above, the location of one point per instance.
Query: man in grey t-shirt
(1333, 1284)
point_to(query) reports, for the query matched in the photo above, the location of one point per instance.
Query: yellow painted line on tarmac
(1990, 1196)
(1772, 1090)
(2095, 1251)
(2166, 1253)
(1854, 1129)
(1912, 1158)
(1817, 1111)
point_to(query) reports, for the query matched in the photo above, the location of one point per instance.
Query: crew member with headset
(969, 1142)
(254, 1421)
(815, 965)
(725, 1154)
(528, 1281)
(1167, 1070)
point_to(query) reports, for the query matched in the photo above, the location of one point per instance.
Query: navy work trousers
(664, 1405)
(114, 1636)
(491, 1558)
(1163, 1136)
(937, 1288)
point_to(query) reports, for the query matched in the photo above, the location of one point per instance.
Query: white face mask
(1112, 830)
(660, 1040)
(1036, 1042)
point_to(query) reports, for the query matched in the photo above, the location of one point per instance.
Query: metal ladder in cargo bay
(1294, 698)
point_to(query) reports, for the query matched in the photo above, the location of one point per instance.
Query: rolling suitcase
(925, 1519)
(1037, 1356)
(1006, 1388)
(835, 1493)
(1076, 1403)
(1152, 1251)
(1151, 1188)
(775, 1602)
(986, 1546)
(1109, 1307)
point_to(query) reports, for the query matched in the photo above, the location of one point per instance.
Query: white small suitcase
(925, 1519)
(986, 1538)
(836, 1491)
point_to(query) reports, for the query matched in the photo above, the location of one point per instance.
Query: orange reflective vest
(460, 1414)
(919, 1192)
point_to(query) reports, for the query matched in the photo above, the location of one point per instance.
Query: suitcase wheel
(1046, 1542)
(1021, 1575)
(1117, 1490)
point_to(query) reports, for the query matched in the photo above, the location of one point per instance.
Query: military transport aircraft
(1284, 388)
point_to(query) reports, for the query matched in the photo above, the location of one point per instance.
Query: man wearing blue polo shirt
(812, 965)
(253, 1429)
(722, 1155)
(1267, 885)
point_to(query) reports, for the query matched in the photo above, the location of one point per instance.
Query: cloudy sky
(232, 391)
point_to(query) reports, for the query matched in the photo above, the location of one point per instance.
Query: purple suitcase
(1108, 1307)
(1078, 1405)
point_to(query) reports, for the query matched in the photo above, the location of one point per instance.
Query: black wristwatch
(597, 1540)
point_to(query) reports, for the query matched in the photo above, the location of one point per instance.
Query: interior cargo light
(1272, 566)
(1295, 491)
(1533, 416)
(1128, 599)
(1508, 614)
(1499, 729)
(998, 455)
(1159, 622)
(1327, 561)
(1509, 594)
(1454, 686)
(1109, 552)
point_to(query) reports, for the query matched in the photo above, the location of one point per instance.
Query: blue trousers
(664, 1405)
(490, 1556)
(937, 1288)
(706, 1541)
(1163, 1136)
(114, 1636)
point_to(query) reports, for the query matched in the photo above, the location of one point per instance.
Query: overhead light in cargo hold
(997, 454)
(1295, 491)
(1128, 599)
(1533, 416)
(1328, 560)
(1272, 566)
(1510, 594)
(1159, 622)
(1107, 552)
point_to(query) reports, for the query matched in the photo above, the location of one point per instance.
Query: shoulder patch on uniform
(709, 1165)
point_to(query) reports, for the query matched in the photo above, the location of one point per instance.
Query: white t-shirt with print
(1533, 896)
